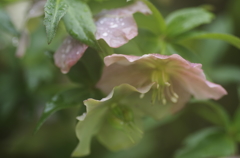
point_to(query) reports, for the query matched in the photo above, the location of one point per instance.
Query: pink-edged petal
(22, 44)
(118, 26)
(198, 86)
(69, 53)
(117, 74)
(133, 70)
(136, 70)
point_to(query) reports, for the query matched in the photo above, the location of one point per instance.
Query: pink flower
(117, 26)
(171, 78)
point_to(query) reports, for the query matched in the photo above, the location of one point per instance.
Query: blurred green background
(27, 83)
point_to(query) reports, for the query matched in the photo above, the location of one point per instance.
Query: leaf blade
(186, 19)
(79, 23)
(63, 100)
(210, 142)
(218, 36)
(159, 25)
(54, 11)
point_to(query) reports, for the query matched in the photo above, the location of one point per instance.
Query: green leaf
(184, 20)
(213, 50)
(218, 36)
(175, 48)
(236, 120)
(147, 42)
(88, 69)
(6, 23)
(63, 100)
(214, 113)
(211, 142)
(226, 74)
(104, 48)
(54, 11)
(79, 22)
(153, 22)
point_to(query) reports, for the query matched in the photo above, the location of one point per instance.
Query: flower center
(164, 89)
(122, 117)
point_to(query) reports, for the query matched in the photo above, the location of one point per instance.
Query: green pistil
(163, 89)
(121, 117)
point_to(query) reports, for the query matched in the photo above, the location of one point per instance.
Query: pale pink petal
(37, 9)
(117, 26)
(137, 71)
(69, 53)
(198, 86)
(117, 74)
(22, 44)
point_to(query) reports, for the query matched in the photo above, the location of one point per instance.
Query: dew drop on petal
(68, 54)
(105, 34)
(117, 26)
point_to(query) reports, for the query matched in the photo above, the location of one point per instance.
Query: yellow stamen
(164, 89)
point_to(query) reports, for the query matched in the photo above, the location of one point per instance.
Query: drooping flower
(69, 53)
(116, 120)
(167, 76)
(117, 26)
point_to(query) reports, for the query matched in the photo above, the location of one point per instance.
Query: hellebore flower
(168, 77)
(115, 120)
(116, 27)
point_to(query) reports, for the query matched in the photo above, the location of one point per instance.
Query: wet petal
(118, 26)
(69, 53)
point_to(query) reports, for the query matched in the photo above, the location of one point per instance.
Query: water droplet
(114, 26)
(105, 34)
(68, 48)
